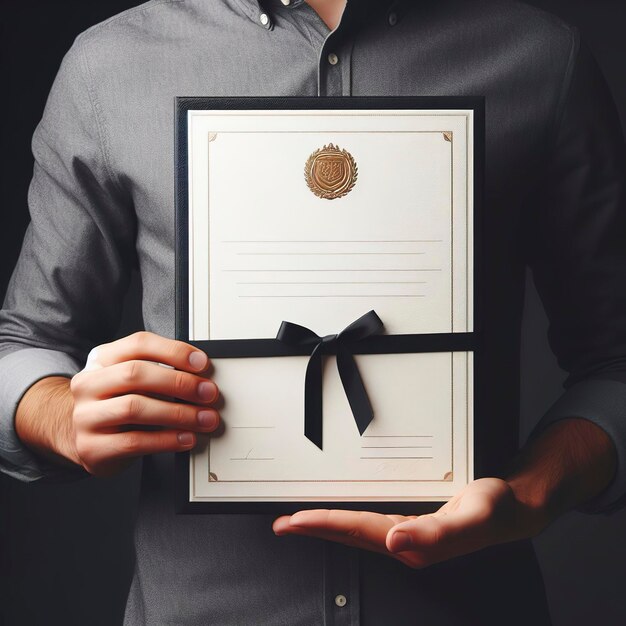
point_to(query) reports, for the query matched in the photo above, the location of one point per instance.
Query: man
(101, 202)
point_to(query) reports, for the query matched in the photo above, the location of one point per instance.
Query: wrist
(535, 502)
(43, 421)
(566, 465)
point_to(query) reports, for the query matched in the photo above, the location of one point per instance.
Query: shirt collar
(262, 12)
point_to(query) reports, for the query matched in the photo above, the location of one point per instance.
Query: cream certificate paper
(265, 247)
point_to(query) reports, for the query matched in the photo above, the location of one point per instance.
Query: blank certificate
(316, 217)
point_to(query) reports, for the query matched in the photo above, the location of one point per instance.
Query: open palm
(486, 512)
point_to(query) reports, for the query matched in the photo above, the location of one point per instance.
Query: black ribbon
(341, 344)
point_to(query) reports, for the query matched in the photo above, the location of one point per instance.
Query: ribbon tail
(355, 389)
(313, 399)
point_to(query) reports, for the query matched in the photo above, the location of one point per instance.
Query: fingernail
(207, 419)
(299, 519)
(207, 391)
(92, 360)
(401, 541)
(198, 360)
(185, 439)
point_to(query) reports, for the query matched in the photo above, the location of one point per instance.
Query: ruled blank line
(332, 241)
(326, 253)
(398, 436)
(336, 282)
(394, 447)
(395, 458)
(358, 295)
(411, 269)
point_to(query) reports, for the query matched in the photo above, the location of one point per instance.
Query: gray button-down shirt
(102, 201)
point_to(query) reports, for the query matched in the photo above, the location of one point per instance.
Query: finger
(363, 525)
(103, 454)
(144, 377)
(144, 411)
(282, 527)
(280, 524)
(137, 443)
(146, 346)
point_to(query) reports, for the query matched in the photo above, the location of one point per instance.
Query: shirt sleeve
(66, 292)
(576, 243)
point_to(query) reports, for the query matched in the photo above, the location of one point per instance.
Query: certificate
(327, 263)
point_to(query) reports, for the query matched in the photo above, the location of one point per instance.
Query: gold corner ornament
(330, 172)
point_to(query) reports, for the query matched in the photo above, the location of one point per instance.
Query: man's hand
(572, 461)
(484, 513)
(114, 411)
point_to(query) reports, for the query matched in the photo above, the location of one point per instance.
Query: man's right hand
(99, 419)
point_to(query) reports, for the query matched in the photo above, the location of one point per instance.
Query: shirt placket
(341, 586)
(334, 65)
(341, 580)
(341, 564)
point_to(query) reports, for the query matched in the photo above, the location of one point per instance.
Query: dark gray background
(66, 550)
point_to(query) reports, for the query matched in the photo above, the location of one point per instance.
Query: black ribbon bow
(296, 335)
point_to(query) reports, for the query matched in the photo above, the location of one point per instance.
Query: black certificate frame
(381, 344)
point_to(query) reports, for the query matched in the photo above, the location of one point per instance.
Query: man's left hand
(568, 464)
(486, 512)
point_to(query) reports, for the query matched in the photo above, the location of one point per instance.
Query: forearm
(568, 464)
(43, 420)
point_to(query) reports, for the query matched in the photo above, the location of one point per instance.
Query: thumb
(442, 531)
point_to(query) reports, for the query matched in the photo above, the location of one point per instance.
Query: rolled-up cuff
(18, 372)
(602, 402)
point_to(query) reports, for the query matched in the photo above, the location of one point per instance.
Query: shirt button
(333, 59)
(264, 19)
(393, 19)
(286, 2)
(341, 600)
